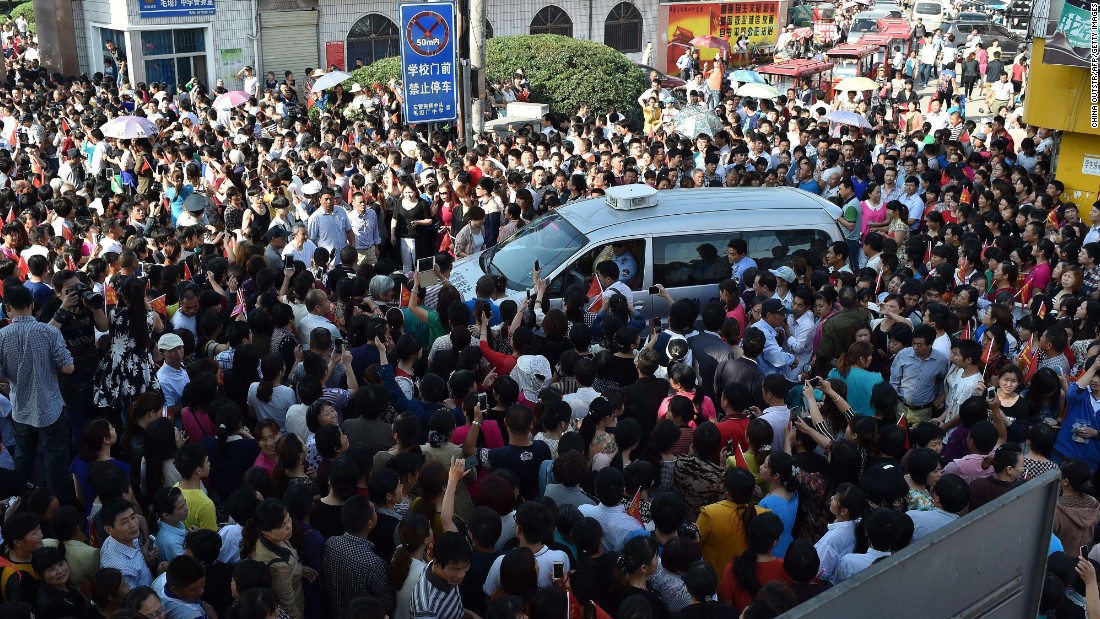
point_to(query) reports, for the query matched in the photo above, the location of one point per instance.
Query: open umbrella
(858, 84)
(330, 80)
(746, 76)
(802, 33)
(129, 128)
(758, 91)
(712, 42)
(230, 100)
(697, 119)
(848, 118)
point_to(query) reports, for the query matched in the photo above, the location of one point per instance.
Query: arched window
(488, 29)
(373, 37)
(622, 30)
(552, 20)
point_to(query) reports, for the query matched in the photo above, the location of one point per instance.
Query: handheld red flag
(21, 265)
(635, 507)
(160, 305)
(1052, 217)
(67, 234)
(1042, 313)
(964, 198)
(987, 353)
(11, 216)
(110, 295)
(241, 306)
(928, 253)
(186, 271)
(72, 265)
(145, 167)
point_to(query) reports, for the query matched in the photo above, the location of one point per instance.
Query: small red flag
(110, 295)
(987, 354)
(67, 233)
(145, 167)
(1025, 291)
(241, 306)
(64, 125)
(11, 216)
(72, 265)
(1052, 217)
(1042, 313)
(160, 305)
(962, 270)
(595, 292)
(21, 264)
(186, 271)
(964, 197)
(928, 253)
(635, 507)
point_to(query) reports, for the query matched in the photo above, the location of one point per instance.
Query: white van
(678, 238)
(930, 12)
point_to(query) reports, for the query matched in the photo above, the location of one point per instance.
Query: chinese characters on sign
(680, 22)
(175, 8)
(428, 65)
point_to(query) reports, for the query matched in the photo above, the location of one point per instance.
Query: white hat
(356, 87)
(169, 341)
(409, 148)
(236, 157)
(311, 188)
(318, 73)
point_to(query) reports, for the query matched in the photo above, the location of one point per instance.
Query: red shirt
(734, 430)
(728, 589)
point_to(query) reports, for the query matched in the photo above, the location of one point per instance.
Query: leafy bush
(26, 10)
(381, 71)
(563, 72)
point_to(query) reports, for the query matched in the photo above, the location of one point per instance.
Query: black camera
(87, 295)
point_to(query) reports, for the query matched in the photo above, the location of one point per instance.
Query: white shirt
(958, 389)
(778, 417)
(800, 343)
(618, 526)
(296, 421)
(839, 540)
(231, 544)
(312, 321)
(943, 344)
(545, 558)
(305, 254)
(579, 400)
(108, 244)
(622, 289)
(852, 564)
(926, 522)
(172, 382)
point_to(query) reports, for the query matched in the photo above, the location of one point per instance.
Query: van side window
(690, 260)
(629, 255)
(772, 248)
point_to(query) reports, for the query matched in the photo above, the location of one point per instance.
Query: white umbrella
(758, 91)
(696, 119)
(230, 100)
(129, 128)
(330, 80)
(848, 118)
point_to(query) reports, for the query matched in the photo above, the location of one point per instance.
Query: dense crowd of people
(231, 385)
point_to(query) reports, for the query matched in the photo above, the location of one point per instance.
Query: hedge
(27, 10)
(563, 72)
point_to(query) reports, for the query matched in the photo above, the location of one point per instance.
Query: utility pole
(477, 69)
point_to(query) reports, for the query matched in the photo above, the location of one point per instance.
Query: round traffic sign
(427, 33)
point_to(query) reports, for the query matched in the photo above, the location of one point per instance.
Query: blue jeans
(54, 442)
(925, 74)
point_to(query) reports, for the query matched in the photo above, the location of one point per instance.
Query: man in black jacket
(708, 349)
(744, 369)
(644, 396)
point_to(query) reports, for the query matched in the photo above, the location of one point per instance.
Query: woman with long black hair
(127, 370)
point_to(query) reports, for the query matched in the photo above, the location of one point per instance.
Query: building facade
(172, 41)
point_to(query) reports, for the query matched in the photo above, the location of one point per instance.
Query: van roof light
(630, 197)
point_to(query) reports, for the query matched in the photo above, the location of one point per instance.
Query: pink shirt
(871, 216)
(265, 462)
(968, 467)
(707, 406)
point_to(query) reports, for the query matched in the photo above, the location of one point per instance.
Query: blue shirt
(810, 186)
(126, 559)
(494, 320)
(1081, 408)
(737, 270)
(170, 540)
(628, 266)
(175, 608)
(329, 230)
(786, 510)
(918, 381)
(774, 358)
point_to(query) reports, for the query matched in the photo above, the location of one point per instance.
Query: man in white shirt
(300, 247)
(618, 526)
(936, 116)
(584, 370)
(777, 414)
(885, 530)
(534, 527)
(607, 272)
(317, 308)
(251, 82)
(951, 496)
(173, 378)
(111, 238)
(801, 329)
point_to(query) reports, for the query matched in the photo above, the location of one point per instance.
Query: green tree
(563, 72)
(26, 10)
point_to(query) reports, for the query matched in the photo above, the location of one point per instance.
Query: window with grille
(552, 20)
(622, 30)
(174, 57)
(373, 37)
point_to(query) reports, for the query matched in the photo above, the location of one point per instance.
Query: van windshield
(549, 239)
(864, 25)
(927, 8)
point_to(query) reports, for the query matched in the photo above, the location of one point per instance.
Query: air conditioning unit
(630, 197)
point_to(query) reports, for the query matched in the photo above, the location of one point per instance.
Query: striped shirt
(31, 353)
(126, 559)
(436, 599)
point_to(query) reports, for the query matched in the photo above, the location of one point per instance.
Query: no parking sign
(429, 69)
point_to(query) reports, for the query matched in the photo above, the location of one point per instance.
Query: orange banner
(683, 21)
